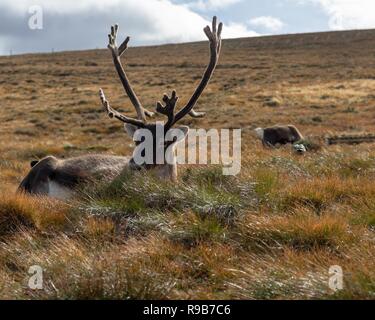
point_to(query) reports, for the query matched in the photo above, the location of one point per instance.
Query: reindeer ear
(130, 129)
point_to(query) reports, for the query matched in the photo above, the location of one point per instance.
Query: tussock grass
(20, 211)
(84, 270)
(272, 232)
(320, 193)
(135, 194)
(101, 229)
(138, 238)
(364, 213)
(191, 230)
(267, 183)
(301, 231)
(256, 236)
(304, 275)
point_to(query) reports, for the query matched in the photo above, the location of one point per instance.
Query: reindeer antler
(214, 37)
(117, 52)
(113, 113)
(168, 109)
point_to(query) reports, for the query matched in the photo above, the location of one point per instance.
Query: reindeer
(278, 135)
(59, 178)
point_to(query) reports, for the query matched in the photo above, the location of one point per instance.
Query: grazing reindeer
(278, 135)
(59, 177)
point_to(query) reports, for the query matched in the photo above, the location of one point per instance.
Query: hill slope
(272, 232)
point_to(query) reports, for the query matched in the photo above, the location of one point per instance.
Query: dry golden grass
(17, 211)
(270, 233)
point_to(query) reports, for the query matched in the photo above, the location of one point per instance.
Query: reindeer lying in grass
(281, 135)
(59, 178)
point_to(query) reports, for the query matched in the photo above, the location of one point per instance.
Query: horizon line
(52, 50)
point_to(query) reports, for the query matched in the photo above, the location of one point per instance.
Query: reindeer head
(161, 138)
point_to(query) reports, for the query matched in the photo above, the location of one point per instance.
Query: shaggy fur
(278, 135)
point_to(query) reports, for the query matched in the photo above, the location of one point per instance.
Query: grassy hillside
(271, 232)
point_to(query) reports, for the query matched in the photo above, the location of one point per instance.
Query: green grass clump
(135, 194)
(299, 232)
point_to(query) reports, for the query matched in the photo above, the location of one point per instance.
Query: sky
(59, 25)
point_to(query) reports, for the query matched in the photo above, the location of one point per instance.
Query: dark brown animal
(279, 135)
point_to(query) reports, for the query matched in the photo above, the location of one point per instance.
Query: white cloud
(238, 30)
(204, 5)
(151, 20)
(348, 14)
(72, 24)
(270, 23)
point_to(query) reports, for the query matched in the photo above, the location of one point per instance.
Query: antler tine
(214, 37)
(219, 30)
(214, 21)
(117, 52)
(168, 108)
(112, 113)
(124, 46)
